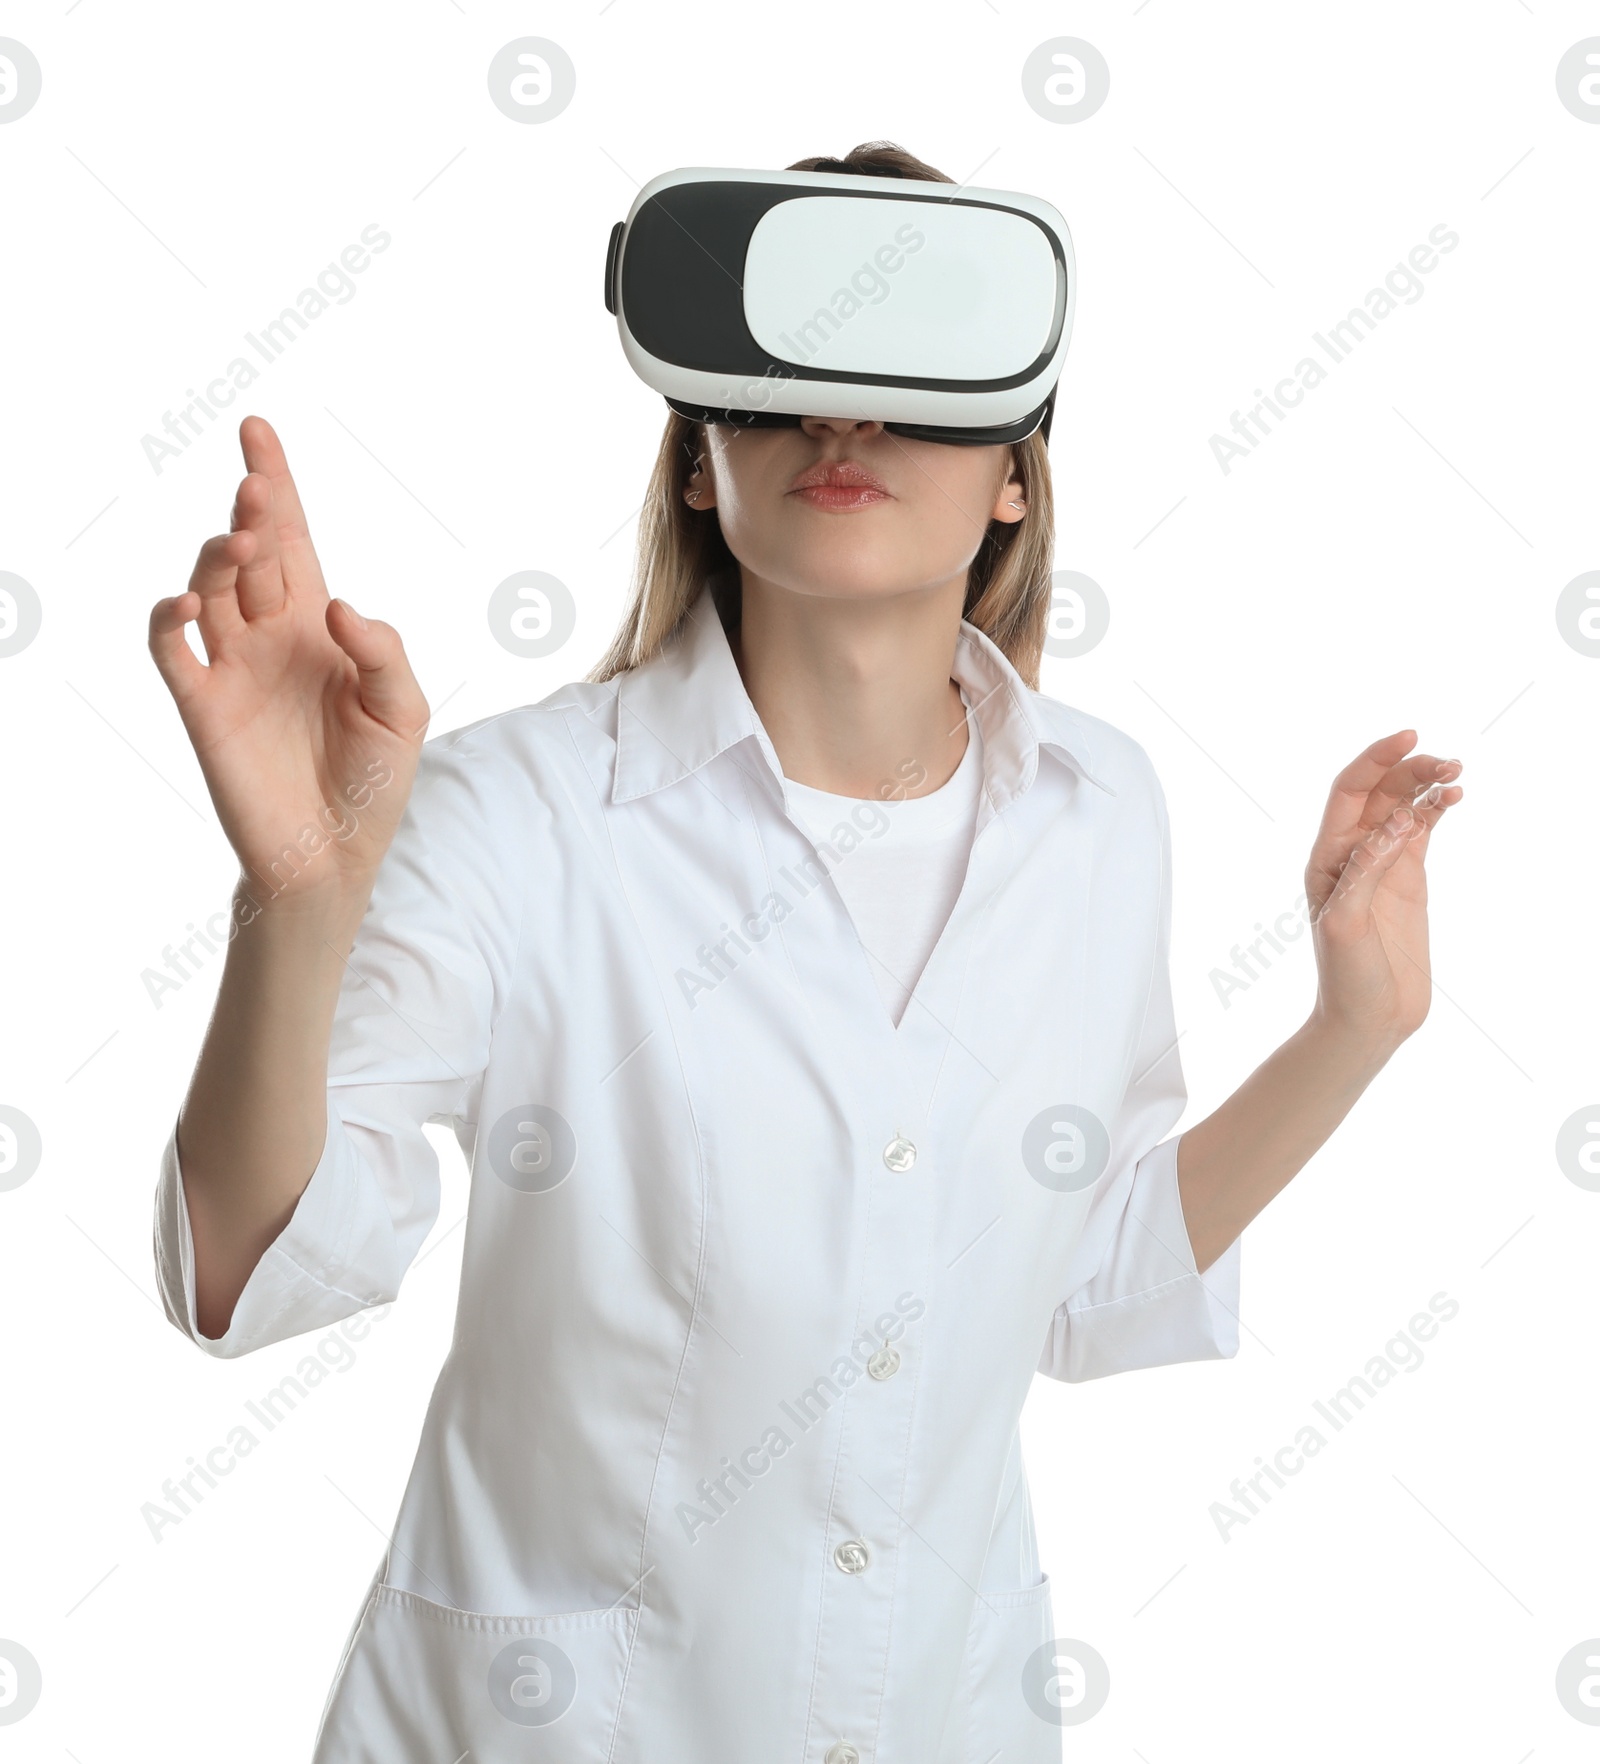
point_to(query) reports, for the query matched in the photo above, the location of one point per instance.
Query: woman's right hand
(308, 721)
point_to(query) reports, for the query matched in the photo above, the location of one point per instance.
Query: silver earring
(692, 495)
(1016, 505)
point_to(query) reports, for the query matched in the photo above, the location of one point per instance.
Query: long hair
(679, 551)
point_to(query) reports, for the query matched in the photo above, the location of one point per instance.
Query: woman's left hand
(1367, 892)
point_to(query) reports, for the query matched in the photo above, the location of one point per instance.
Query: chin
(852, 579)
(842, 566)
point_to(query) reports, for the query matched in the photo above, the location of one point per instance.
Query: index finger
(1347, 799)
(1366, 792)
(1347, 802)
(263, 452)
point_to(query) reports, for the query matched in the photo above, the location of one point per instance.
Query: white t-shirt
(902, 874)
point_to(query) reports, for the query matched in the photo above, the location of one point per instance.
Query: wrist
(330, 908)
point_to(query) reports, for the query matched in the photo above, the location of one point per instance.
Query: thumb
(389, 691)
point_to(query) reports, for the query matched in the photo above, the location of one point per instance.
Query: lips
(839, 485)
(843, 474)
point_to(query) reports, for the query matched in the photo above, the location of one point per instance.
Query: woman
(798, 988)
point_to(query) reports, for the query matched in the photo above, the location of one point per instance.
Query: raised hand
(1367, 890)
(306, 718)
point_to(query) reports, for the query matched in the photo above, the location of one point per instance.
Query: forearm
(1235, 1160)
(252, 1127)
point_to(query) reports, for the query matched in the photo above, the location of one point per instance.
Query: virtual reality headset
(757, 298)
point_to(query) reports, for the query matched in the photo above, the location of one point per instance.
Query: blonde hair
(680, 551)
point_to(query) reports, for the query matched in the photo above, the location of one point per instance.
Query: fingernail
(354, 614)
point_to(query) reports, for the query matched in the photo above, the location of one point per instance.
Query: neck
(855, 693)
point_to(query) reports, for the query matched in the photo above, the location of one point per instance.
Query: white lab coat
(723, 1464)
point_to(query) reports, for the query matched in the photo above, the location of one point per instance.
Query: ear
(1011, 504)
(699, 488)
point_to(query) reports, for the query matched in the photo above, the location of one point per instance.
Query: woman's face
(843, 509)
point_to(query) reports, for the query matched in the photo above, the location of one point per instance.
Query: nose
(846, 428)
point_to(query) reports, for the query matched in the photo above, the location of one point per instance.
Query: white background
(1389, 558)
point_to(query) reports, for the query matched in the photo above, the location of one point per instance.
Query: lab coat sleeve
(1134, 1295)
(410, 1042)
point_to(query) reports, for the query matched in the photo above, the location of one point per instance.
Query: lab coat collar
(679, 710)
(1015, 721)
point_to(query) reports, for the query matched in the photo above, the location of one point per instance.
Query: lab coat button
(841, 1754)
(852, 1556)
(899, 1154)
(884, 1363)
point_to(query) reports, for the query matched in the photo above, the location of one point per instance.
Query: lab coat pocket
(423, 1683)
(1005, 1653)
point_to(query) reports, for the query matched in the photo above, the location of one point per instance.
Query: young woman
(797, 986)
